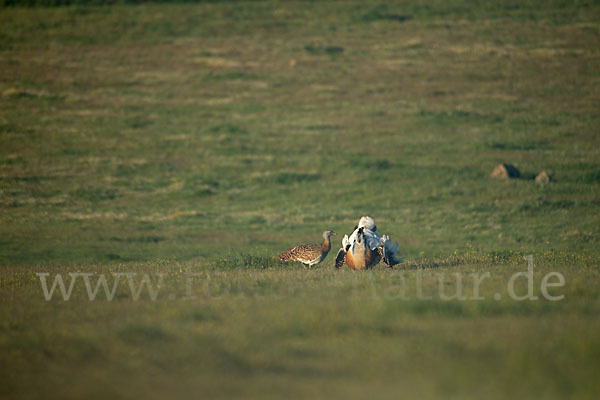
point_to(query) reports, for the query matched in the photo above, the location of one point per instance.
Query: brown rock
(505, 171)
(543, 178)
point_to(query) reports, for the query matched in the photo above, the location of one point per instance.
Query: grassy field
(209, 137)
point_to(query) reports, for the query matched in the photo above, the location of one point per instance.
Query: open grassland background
(174, 131)
(178, 132)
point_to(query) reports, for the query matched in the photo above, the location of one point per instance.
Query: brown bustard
(310, 254)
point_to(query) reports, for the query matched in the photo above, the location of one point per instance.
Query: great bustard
(365, 247)
(310, 254)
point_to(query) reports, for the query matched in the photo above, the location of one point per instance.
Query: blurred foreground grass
(277, 332)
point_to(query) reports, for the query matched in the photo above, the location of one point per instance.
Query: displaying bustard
(310, 254)
(365, 247)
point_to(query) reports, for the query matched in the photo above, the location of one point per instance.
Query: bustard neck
(327, 244)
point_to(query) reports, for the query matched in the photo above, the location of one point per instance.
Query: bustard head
(328, 234)
(368, 223)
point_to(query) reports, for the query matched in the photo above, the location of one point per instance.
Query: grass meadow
(192, 142)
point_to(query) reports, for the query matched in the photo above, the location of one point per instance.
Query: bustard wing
(303, 253)
(340, 258)
(389, 252)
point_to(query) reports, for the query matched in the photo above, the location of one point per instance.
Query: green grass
(215, 135)
(182, 120)
(257, 329)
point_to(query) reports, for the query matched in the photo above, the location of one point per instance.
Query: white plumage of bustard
(364, 248)
(309, 254)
